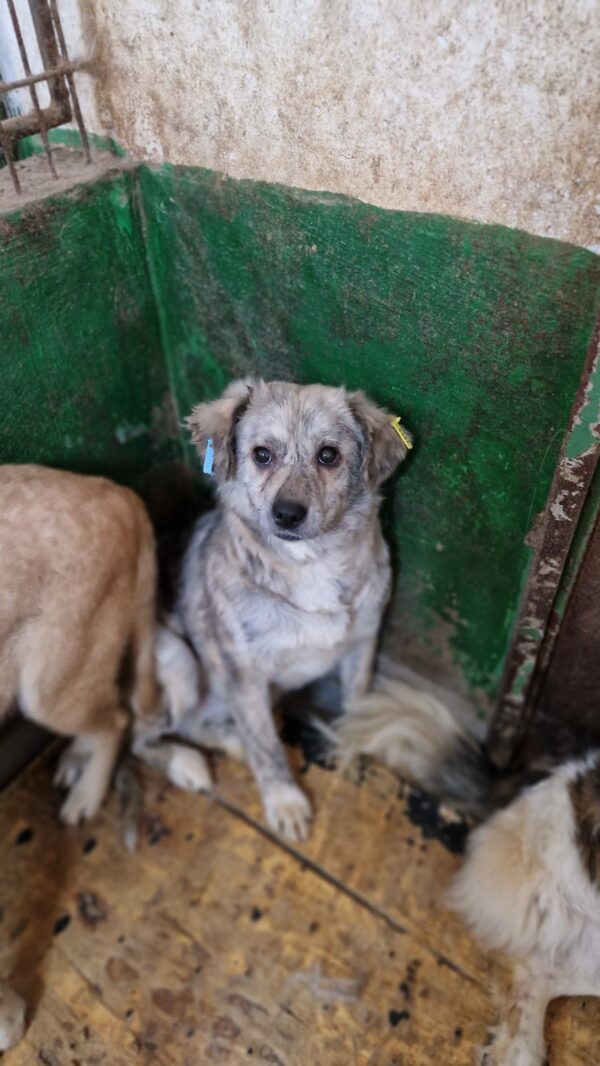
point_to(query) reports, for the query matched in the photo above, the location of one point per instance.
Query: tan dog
(77, 591)
(12, 1017)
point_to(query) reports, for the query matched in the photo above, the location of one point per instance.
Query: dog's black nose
(288, 514)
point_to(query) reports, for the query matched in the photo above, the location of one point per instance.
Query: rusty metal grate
(58, 74)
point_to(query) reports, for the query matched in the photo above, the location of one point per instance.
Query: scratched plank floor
(216, 944)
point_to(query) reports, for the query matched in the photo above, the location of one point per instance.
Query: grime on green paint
(129, 300)
(585, 432)
(81, 348)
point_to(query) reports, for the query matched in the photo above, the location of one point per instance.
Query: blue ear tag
(209, 457)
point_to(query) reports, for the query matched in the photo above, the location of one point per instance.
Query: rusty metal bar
(7, 148)
(70, 80)
(43, 128)
(19, 126)
(58, 71)
(33, 79)
(50, 53)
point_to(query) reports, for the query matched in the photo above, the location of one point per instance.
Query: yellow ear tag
(395, 424)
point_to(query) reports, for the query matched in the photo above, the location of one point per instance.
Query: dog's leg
(90, 786)
(185, 714)
(178, 674)
(185, 767)
(356, 672)
(286, 808)
(72, 762)
(518, 1040)
(91, 714)
(12, 1017)
(213, 726)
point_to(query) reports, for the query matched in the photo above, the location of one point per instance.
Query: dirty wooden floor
(217, 944)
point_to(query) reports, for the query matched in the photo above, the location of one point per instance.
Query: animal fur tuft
(131, 802)
(416, 730)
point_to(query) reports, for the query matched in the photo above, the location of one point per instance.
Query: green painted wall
(475, 334)
(83, 382)
(125, 303)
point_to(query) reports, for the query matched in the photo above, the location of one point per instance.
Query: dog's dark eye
(328, 456)
(262, 456)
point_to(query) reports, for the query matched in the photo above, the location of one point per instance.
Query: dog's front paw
(82, 802)
(12, 1017)
(188, 770)
(287, 811)
(70, 765)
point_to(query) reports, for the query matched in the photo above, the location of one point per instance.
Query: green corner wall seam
(138, 201)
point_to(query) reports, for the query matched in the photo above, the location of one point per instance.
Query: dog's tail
(411, 727)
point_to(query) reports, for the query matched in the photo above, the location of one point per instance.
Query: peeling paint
(550, 566)
(571, 666)
(557, 510)
(555, 530)
(572, 469)
(585, 431)
(126, 432)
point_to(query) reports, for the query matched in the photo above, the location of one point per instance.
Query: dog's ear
(383, 446)
(217, 421)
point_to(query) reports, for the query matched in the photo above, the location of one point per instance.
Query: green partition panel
(475, 334)
(125, 301)
(83, 382)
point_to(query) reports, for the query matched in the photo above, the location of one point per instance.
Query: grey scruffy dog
(284, 582)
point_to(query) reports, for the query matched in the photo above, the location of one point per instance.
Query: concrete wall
(485, 109)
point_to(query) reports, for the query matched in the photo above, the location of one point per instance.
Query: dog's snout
(289, 514)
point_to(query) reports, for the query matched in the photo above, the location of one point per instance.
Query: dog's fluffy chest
(292, 619)
(299, 634)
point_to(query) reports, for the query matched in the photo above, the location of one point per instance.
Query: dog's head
(295, 461)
